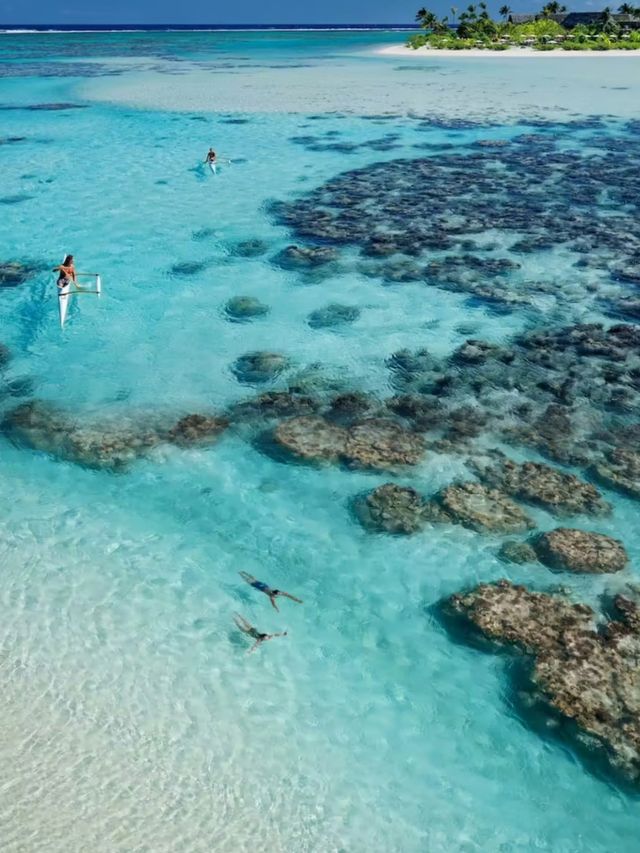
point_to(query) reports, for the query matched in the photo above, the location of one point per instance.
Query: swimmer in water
(263, 587)
(258, 636)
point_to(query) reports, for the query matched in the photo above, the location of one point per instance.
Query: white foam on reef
(369, 84)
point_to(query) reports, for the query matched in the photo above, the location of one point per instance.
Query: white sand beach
(511, 53)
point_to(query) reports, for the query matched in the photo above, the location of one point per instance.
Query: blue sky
(248, 11)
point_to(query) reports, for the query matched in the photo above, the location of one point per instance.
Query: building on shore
(569, 20)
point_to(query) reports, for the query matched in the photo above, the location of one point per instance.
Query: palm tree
(553, 8)
(505, 11)
(454, 12)
(626, 9)
(607, 23)
(426, 19)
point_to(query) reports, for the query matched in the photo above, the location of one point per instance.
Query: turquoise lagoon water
(131, 717)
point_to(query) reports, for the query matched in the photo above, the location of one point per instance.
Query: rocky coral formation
(333, 315)
(536, 483)
(391, 509)
(512, 551)
(422, 411)
(373, 443)
(382, 444)
(590, 678)
(377, 209)
(111, 446)
(274, 404)
(627, 307)
(580, 551)
(241, 308)
(548, 389)
(13, 273)
(311, 439)
(620, 470)
(564, 392)
(188, 268)
(351, 406)
(197, 429)
(250, 248)
(479, 508)
(258, 367)
(305, 257)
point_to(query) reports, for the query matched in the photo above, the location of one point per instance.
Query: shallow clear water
(130, 716)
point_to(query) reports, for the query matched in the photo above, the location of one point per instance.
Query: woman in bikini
(66, 272)
(67, 275)
(258, 636)
(263, 587)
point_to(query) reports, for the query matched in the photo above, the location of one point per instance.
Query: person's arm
(292, 597)
(256, 644)
(272, 599)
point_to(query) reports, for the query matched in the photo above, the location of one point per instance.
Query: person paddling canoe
(66, 272)
(67, 275)
(263, 587)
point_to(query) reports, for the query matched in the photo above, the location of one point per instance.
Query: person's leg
(242, 623)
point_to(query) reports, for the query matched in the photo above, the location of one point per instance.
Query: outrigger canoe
(71, 289)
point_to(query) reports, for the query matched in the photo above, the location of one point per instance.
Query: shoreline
(511, 53)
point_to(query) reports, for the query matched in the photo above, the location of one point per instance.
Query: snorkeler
(263, 587)
(211, 156)
(258, 636)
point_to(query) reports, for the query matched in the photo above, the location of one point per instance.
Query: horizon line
(207, 24)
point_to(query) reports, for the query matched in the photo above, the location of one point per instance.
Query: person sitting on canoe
(258, 636)
(66, 272)
(261, 586)
(211, 156)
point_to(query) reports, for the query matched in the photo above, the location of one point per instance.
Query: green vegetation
(474, 28)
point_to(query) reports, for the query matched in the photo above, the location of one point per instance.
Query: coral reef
(512, 551)
(588, 677)
(197, 429)
(391, 509)
(333, 315)
(250, 248)
(112, 446)
(240, 308)
(259, 367)
(13, 273)
(536, 483)
(311, 439)
(372, 443)
(382, 444)
(479, 508)
(305, 257)
(620, 470)
(274, 404)
(580, 551)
